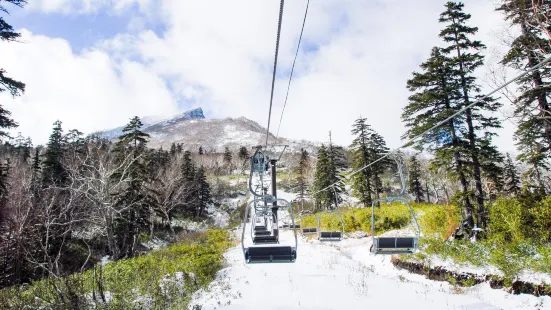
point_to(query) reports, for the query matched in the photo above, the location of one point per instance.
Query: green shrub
(147, 281)
(505, 222)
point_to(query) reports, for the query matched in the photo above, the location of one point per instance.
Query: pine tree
(53, 170)
(7, 34)
(436, 97)
(135, 199)
(301, 184)
(528, 49)
(511, 179)
(227, 158)
(243, 156)
(361, 182)
(173, 149)
(532, 152)
(415, 179)
(190, 185)
(204, 193)
(5, 122)
(336, 165)
(15, 88)
(188, 167)
(132, 137)
(377, 148)
(490, 163)
(201, 152)
(322, 177)
(465, 58)
(23, 147)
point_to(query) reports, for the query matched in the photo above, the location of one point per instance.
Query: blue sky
(81, 30)
(355, 60)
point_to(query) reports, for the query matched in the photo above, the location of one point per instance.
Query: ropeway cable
(412, 140)
(293, 67)
(275, 67)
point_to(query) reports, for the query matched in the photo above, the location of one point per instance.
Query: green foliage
(517, 238)
(387, 217)
(301, 182)
(367, 147)
(511, 180)
(415, 178)
(162, 279)
(15, 88)
(438, 221)
(53, 170)
(532, 107)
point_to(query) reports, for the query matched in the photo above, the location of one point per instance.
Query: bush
(162, 279)
(387, 217)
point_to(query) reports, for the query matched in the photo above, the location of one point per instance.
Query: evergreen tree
(23, 147)
(336, 165)
(134, 200)
(361, 182)
(201, 152)
(14, 87)
(179, 148)
(528, 49)
(53, 170)
(436, 97)
(301, 184)
(190, 185)
(188, 167)
(490, 163)
(243, 156)
(377, 148)
(511, 179)
(203, 189)
(173, 149)
(7, 34)
(532, 152)
(415, 179)
(227, 158)
(322, 177)
(465, 58)
(133, 138)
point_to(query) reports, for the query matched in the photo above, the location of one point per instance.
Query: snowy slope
(342, 275)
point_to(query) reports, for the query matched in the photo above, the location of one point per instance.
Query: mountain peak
(194, 113)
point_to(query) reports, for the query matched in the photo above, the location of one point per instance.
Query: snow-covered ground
(343, 275)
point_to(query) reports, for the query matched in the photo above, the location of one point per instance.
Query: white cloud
(220, 53)
(88, 91)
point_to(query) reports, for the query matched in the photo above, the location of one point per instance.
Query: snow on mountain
(192, 129)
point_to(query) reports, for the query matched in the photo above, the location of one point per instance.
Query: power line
(413, 140)
(275, 67)
(293, 67)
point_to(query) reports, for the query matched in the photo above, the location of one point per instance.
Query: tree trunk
(481, 218)
(468, 207)
(543, 105)
(427, 191)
